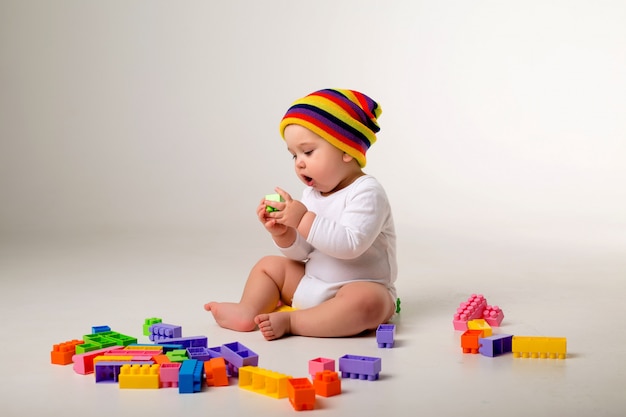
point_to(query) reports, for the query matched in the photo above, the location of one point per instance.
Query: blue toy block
(185, 342)
(100, 329)
(164, 331)
(360, 367)
(496, 345)
(237, 356)
(190, 376)
(385, 335)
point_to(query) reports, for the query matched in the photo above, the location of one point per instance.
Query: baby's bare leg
(273, 278)
(357, 307)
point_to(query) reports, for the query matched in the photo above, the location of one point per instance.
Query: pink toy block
(468, 310)
(83, 363)
(493, 315)
(168, 374)
(320, 364)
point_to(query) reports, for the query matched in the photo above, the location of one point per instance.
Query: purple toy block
(185, 342)
(496, 345)
(237, 355)
(199, 353)
(360, 367)
(163, 331)
(109, 372)
(319, 365)
(385, 335)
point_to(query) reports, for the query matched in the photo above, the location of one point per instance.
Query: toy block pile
(475, 318)
(187, 363)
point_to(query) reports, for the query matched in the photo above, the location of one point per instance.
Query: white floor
(56, 290)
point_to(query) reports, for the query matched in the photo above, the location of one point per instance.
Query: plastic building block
(398, 305)
(164, 331)
(273, 197)
(215, 372)
(471, 309)
(185, 342)
(121, 358)
(301, 394)
(104, 339)
(133, 352)
(178, 355)
(62, 353)
(493, 315)
(237, 355)
(168, 374)
(100, 329)
(199, 353)
(539, 347)
(83, 362)
(469, 341)
(156, 348)
(161, 359)
(190, 376)
(321, 364)
(327, 383)
(105, 371)
(139, 376)
(385, 335)
(360, 367)
(480, 324)
(149, 322)
(495, 345)
(262, 381)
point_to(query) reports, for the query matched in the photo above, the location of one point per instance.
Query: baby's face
(317, 163)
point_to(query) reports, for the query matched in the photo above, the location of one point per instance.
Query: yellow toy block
(480, 324)
(262, 381)
(139, 376)
(112, 358)
(539, 347)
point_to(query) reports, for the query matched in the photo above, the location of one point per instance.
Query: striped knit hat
(345, 118)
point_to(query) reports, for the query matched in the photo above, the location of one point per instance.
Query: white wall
(501, 119)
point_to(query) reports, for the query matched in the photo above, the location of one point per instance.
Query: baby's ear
(347, 158)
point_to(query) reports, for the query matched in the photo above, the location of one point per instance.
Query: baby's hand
(288, 213)
(270, 224)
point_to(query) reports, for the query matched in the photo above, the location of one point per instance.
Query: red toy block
(301, 393)
(327, 383)
(62, 353)
(469, 341)
(215, 371)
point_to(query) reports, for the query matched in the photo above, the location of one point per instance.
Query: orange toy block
(469, 341)
(161, 359)
(301, 394)
(215, 371)
(327, 383)
(62, 353)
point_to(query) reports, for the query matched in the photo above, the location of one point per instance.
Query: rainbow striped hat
(345, 118)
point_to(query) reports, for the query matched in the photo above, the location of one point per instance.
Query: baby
(338, 242)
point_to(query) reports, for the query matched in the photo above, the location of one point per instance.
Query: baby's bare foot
(274, 325)
(232, 316)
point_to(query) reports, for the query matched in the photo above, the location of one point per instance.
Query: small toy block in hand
(273, 197)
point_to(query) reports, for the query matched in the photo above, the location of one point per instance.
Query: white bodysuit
(351, 239)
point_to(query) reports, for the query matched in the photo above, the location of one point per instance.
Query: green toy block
(177, 355)
(149, 322)
(86, 347)
(273, 197)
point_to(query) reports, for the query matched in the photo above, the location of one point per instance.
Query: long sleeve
(299, 249)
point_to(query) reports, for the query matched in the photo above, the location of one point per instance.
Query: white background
(137, 138)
